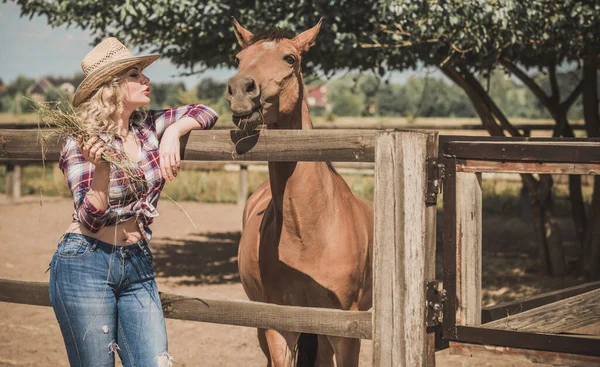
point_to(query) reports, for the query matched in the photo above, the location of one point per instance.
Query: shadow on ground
(202, 258)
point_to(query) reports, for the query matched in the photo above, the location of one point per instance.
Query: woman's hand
(170, 159)
(92, 150)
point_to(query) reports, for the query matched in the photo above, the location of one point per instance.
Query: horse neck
(296, 185)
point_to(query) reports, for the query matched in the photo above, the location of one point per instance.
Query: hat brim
(106, 72)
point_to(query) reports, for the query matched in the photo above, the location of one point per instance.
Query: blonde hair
(104, 105)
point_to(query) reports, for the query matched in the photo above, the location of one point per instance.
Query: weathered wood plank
(556, 317)
(563, 343)
(243, 185)
(528, 167)
(224, 145)
(502, 310)
(399, 337)
(468, 248)
(354, 324)
(515, 357)
(581, 151)
(13, 181)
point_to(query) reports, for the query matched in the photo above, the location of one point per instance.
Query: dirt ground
(201, 261)
(196, 261)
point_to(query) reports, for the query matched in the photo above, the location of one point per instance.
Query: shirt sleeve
(79, 174)
(159, 120)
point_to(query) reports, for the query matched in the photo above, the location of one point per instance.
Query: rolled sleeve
(90, 217)
(159, 120)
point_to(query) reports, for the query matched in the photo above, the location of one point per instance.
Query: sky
(34, 49)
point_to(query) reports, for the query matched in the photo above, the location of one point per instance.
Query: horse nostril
(229, 89)
(251, 87)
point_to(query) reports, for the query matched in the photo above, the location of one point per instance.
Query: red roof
(317, 96)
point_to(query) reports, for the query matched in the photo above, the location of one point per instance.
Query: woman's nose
(145, 79)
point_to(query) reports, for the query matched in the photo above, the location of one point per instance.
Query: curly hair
(104, 105)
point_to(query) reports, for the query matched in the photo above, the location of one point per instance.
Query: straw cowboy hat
(107, 59)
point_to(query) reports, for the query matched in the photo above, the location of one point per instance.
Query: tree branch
(529, 82)
(489, 102)
(566, 104)
(555, 97)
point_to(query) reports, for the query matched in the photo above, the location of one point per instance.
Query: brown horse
(307, 239)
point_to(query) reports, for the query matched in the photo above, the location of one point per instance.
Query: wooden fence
(14, 167)
(406, 306)
(404, 247)
(537, 329)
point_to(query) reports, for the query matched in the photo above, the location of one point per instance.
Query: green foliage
(344, 99)
(19, 85)
(165, 95)
(210, 90)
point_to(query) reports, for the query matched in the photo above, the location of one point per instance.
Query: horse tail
(307, 350)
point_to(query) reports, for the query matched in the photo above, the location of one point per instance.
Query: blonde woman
(102, 284)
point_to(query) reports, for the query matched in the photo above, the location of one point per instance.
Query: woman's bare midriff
(125, 233)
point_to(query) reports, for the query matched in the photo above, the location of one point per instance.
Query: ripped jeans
(106, 301)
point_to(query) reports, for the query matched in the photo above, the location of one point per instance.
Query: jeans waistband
(105, 246)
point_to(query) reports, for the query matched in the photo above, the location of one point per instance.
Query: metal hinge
(435, 300)
(435, 179)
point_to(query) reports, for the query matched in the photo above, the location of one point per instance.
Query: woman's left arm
(170, 159)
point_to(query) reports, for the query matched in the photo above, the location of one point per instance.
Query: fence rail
(535, 325)
(404, 239)
(351, 324)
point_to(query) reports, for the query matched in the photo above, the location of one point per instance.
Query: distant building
(38, 90)
(317, 97)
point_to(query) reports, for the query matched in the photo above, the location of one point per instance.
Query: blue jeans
(106, 301)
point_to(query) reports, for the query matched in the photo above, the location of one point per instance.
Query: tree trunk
(578, 214)
(545, 225)
(591, 115)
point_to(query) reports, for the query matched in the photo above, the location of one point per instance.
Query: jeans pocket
(72, 249)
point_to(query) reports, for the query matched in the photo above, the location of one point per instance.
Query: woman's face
(137, 88)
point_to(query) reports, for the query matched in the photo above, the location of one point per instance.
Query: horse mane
(269, 35)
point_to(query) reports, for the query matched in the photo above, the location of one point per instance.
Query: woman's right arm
(88, 178)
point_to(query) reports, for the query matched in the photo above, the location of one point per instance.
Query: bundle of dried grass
(65, 122)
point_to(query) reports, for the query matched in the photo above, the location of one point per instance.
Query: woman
(102, 285)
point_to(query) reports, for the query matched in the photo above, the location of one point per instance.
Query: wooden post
(468, 248)
(13, 181)
(243, 188)
(400, 250)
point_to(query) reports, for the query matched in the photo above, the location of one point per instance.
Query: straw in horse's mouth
(248, 115)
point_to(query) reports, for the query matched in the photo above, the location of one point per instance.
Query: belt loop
(94, 244)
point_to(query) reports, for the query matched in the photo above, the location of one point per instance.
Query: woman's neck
(122, 122)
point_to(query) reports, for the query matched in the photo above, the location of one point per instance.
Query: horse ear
(243, 35)
(305, 39)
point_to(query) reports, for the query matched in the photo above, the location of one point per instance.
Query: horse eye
(237, 61)
(290, 59)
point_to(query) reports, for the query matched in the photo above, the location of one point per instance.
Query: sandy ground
(191, 261)
(201, 261)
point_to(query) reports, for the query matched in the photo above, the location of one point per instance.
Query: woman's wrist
(102, 168)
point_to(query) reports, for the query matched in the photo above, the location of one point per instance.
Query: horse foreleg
(262, 341)
(324, 353)
(282, 347)
(346, 351)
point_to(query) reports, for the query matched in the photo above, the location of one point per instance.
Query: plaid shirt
(127, 199)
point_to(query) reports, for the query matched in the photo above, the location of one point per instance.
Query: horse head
(268, 88)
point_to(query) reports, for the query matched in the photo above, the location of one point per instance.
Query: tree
(210, 90)
(463, 38)
(165, 95)
(344, 98)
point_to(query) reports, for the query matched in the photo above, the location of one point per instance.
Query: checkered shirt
(127, 199)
